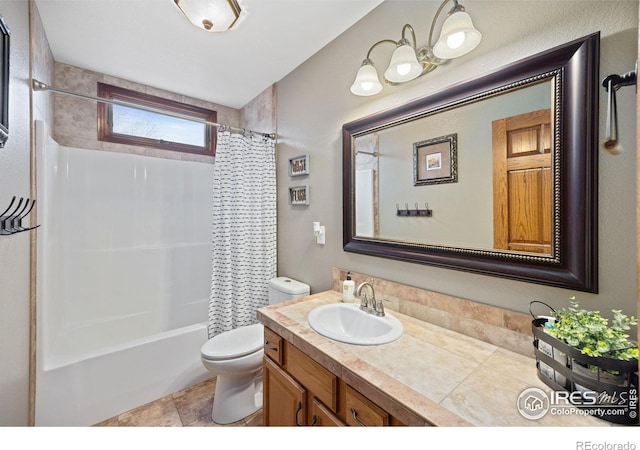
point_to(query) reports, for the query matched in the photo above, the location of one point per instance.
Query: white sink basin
(345, 322)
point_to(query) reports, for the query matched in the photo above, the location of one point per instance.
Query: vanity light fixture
(457, 37)
(210, 15)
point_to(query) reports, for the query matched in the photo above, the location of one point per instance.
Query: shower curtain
(244, 229)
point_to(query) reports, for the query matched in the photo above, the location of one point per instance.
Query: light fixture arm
(378, 43)
(413, 35)
(456, 7)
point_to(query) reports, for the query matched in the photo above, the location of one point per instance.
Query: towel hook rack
(11, 222)
(612, 83)
(417, 212)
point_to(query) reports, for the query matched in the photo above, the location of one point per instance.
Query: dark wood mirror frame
(574, 264)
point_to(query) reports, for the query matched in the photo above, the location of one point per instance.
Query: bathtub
(123, 280)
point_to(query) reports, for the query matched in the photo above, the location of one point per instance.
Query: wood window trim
(105, 126)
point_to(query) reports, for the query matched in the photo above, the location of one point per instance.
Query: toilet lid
(234, 343)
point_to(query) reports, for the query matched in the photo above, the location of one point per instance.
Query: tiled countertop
(431, 375)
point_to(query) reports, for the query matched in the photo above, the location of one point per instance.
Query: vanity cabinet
(298, 391)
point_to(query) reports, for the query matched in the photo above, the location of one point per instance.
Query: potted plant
(591, 334)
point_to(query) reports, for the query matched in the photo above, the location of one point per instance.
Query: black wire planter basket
(607, 387)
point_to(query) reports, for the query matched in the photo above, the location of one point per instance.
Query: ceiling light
(458, 37)
(210, 15)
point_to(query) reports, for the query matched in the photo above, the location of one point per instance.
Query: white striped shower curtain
(244, 229)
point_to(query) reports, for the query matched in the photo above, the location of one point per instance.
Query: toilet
(235, 358)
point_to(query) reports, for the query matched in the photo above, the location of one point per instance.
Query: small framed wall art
(435, 161)
(299, 166)
(299, 195)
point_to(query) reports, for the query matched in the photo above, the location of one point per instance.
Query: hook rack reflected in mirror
(416, 212)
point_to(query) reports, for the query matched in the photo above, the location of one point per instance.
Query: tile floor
(190, 407)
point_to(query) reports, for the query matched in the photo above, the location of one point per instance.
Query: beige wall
(314, 102)
(14, 250)
(260, 113)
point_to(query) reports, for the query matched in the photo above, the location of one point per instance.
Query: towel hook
(8, 207)
(17, 221)
(11, 222)
(612, 83)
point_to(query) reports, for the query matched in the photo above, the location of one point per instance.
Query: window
(127, 125)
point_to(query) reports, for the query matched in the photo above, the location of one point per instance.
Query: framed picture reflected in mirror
(435, 161)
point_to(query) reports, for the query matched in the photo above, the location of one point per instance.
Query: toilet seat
(234, 343)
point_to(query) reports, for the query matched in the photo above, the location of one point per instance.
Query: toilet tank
(282, 289)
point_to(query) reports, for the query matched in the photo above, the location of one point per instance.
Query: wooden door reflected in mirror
(522, 182)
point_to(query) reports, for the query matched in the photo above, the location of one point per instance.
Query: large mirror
(496, 176)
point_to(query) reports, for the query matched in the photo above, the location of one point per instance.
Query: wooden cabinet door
(316, 379)
(522, 182)
(321, 416)
(284, 399)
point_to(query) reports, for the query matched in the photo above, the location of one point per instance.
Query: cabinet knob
(268, 347)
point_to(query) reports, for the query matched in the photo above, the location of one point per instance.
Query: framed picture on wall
(435, 161)
(299, 195)
(4, 82)
(299, 166)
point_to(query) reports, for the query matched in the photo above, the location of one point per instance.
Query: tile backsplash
(507, 329)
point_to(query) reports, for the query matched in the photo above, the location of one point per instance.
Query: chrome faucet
(372, 306)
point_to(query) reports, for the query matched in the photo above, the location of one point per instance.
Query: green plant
(591, 333)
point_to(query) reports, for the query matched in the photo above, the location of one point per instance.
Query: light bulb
(366, 86)
(403, 69)
(456, 39)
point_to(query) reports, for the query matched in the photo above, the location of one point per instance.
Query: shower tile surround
(75, 120)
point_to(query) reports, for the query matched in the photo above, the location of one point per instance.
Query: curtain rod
(40, 86)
